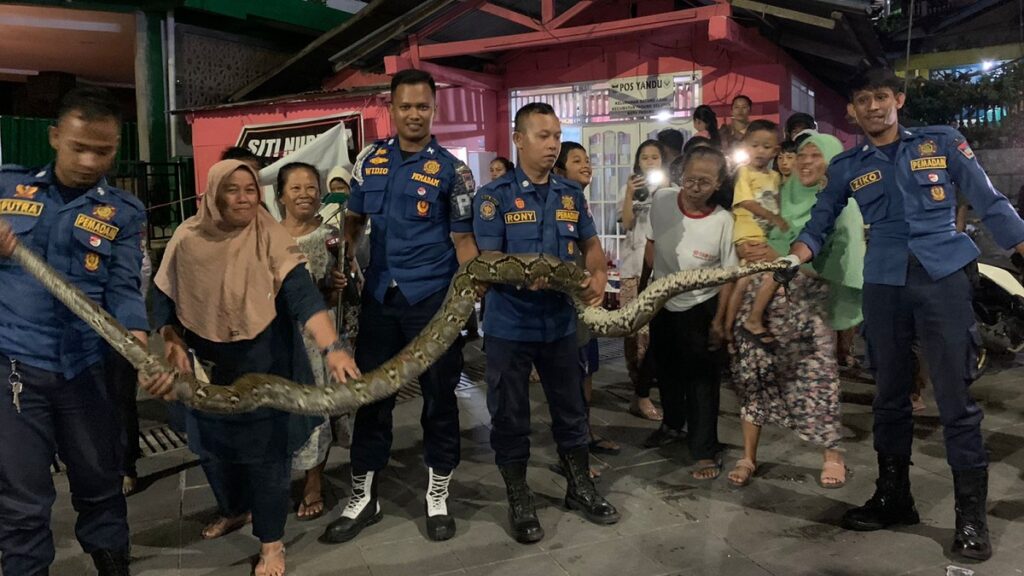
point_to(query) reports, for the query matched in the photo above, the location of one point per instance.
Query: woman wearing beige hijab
(232, 291)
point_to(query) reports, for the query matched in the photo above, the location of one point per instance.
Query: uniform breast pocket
(373, 195)
(937, 193)
(568, 240)
(523, 237)
(421, 203)
(872, 202)
(90, 256)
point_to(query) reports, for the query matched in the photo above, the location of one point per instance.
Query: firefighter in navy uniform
(531, 211)
(419, 198)
(56, 397)
(918, 281)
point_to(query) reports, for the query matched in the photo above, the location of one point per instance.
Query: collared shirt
(510, 216)
(909, 204)
(414, 205)
(95, 242)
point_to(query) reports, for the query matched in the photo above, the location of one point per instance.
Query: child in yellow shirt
(756, 209)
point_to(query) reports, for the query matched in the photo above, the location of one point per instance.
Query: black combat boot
(892, 503)
(362, 510)
(111, 562)
(971, 490)
(581, 494)
(522, 514)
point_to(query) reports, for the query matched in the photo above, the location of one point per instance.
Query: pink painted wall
(462, 119)
(478, 119)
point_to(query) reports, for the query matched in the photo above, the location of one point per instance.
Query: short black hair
(91, 102)
(743, 97)
(239, 153)
(877, 77)
(787, 147)
(287, 169)
(411, 76)
(763, 126)
(800, 119)
(672, 140)
(563, 153)
(532, 108)
(696, 141)
(509, 166)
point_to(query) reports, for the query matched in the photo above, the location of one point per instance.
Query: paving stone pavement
(782, 524)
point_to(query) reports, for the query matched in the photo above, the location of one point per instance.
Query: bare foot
(271, 560)
(707, 470)
(833, 471)
(312, 505)
(759, 331)
(128, 485)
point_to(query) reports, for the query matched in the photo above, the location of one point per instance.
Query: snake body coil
(253, 391)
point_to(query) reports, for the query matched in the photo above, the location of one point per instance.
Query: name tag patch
(96, 227)
(520, 217)
(375, 171)
(21, 207)
(929, 163)
(416, 176)
(567, 216)
(865, 180)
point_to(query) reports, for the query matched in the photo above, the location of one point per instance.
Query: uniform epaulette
(127, 197)
(846, 153)
(14, 168)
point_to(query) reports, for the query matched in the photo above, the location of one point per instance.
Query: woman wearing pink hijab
(231, 294)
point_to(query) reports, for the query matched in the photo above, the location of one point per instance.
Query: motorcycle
(998, 299)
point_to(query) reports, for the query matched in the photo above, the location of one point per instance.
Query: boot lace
(360, 493)
(437, 493)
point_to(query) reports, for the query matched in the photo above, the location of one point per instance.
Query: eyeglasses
(701, 183)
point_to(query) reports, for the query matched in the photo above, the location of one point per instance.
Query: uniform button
(865, 148)
(526, 183)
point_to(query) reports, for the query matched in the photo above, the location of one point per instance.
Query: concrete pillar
(150, 86)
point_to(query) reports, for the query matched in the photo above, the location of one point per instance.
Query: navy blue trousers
(939, 314)
(509, 363)
(77, 419)
(384, 329)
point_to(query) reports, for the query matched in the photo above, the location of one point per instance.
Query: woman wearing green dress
(794, 382)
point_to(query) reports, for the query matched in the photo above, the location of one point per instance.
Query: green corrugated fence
(25, 141)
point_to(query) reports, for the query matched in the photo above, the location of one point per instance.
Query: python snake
(253, 391)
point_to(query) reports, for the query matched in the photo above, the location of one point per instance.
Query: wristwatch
(339, 345)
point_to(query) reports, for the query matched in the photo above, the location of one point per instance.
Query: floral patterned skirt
(796, 384)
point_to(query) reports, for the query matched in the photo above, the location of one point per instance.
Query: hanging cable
(910, 36)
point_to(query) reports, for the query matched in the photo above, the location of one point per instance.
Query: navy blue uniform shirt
(909, 204)
(414, 206)
(511, 215)
(95, 242)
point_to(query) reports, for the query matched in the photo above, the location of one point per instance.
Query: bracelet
(339, 345)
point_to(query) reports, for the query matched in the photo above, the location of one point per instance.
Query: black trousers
(384, 329)
(509, 363)
(940, 315)
(689, 375)
(76, 418)
(259, 487)
(124, 384)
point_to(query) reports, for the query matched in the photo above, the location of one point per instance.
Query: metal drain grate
(160, 440)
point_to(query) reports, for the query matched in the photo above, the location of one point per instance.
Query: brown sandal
(222, 526)
(832, 471)
(744, 466)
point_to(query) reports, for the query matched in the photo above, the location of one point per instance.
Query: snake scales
(253, 391)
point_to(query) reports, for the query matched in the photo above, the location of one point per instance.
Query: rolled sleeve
(460, 196)
(831, 201)
(355, 198)
(587, 228)
(123, 295)
(489, 232)
(996, 212)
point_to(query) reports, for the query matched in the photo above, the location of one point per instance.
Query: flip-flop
(600, 445)
(743, 464)
(309, 504)
(764, 340)
(833, 470)
(229, 525)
